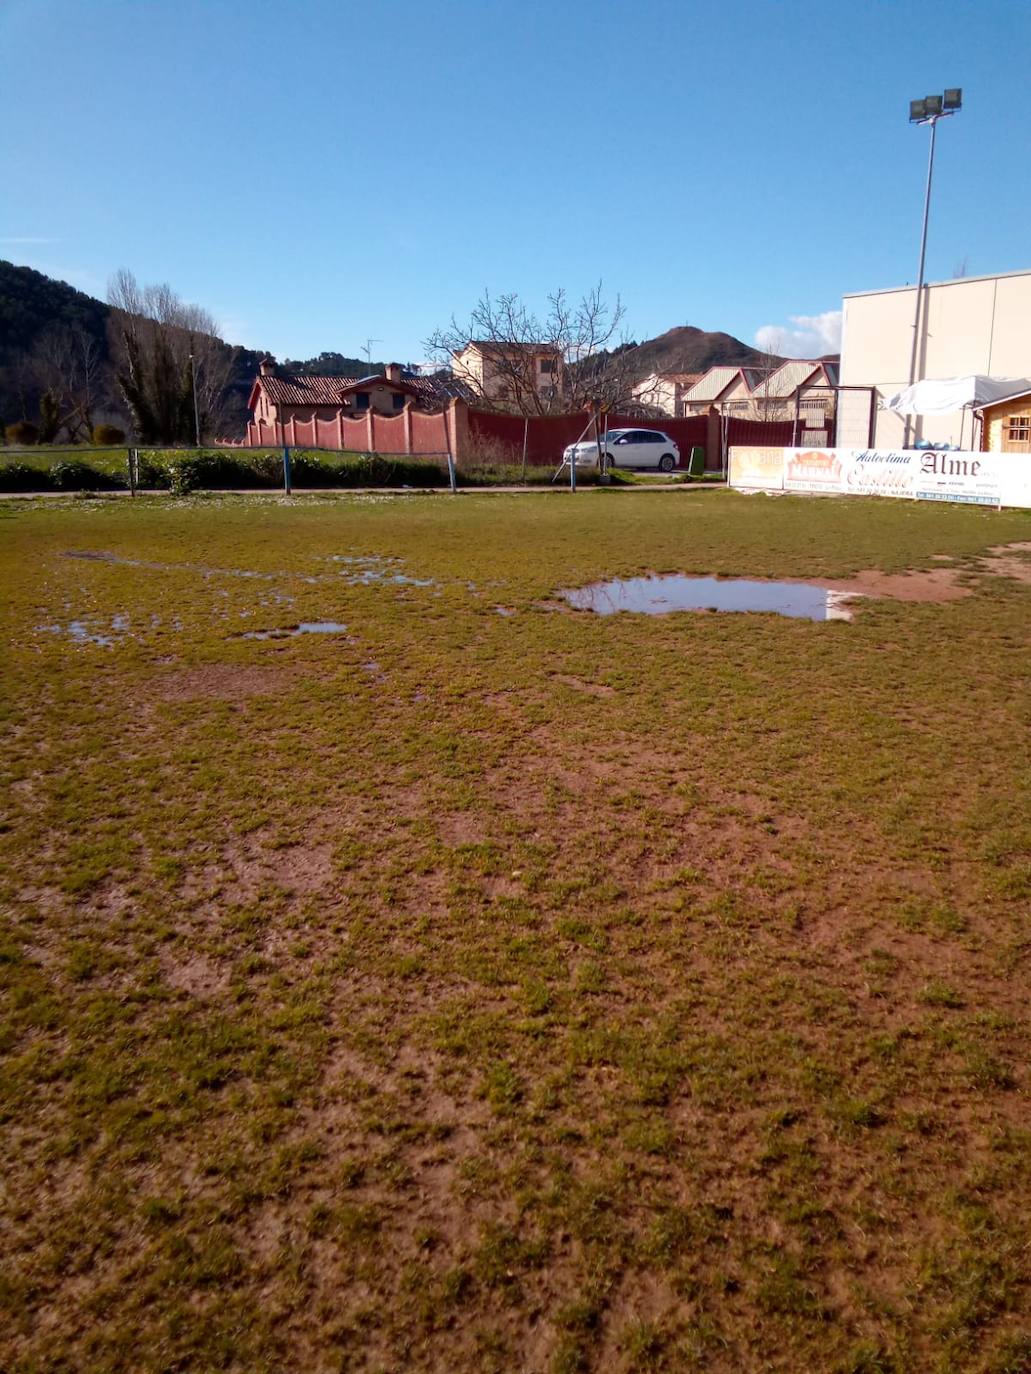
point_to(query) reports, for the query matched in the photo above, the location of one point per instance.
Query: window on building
(1018, 429)
(361, 400)
(548, 365)
(398, 399)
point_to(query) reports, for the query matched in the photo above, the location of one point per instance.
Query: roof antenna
(368, 349)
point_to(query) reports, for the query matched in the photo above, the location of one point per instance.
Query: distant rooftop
(714, 381)
(302, 389)
(792, 374)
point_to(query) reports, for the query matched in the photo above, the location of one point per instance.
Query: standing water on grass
(306, 627)
(658, 595)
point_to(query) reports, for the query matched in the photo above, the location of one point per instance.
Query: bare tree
(171, 364)
(513, 341)
(67, 367)
(764, 405)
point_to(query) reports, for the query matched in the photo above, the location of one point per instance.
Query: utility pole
(927, 111)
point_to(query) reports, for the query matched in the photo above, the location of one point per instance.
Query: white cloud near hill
(809, 336)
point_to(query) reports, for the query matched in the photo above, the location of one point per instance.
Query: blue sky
(316, 173)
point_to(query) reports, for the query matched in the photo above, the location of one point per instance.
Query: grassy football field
(483, 985)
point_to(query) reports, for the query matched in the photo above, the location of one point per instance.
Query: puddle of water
(93, 556)
(306, 627)
(363, 560)
(393, 579)
(78, 632)
(658, 595)
(362, 571)
(94, 631)
(91, 631)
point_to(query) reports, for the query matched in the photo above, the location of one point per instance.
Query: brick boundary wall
(482, 435)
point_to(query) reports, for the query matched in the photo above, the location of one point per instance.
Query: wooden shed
(1006, 424)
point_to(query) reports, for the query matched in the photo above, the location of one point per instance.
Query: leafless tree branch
(582, 332)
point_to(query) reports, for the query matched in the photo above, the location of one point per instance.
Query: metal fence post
(452, 475)
(286, 470)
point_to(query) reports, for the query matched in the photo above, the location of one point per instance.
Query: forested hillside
(56, 339)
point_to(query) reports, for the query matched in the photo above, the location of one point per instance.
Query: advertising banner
(877, 472)
(973, 478)
(757, 468)
(981, 479)
(1014, 477)
(813, 469)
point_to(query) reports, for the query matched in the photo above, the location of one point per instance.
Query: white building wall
(972, 325)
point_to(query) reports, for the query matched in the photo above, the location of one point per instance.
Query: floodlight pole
(914, 358)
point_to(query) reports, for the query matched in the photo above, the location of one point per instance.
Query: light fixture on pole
(927, 111)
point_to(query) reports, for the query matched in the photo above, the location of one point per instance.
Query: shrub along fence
(122, 469)
(83, 469)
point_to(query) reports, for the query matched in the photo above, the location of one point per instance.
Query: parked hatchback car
(628, 448)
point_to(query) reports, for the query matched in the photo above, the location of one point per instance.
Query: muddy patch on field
(250, 868)
(578, 684)
(194, 974)
(1009, 560)
(932, 584)
(221, 681)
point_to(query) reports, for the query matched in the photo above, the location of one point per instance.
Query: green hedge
(212, 470)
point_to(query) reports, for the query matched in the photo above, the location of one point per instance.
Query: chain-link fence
(139, 470)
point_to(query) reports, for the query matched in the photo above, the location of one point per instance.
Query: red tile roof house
(341, 412)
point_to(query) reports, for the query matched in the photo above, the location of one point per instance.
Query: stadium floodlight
(927, 111)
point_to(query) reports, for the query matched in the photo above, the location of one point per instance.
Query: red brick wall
(478, 435)
(428, 432)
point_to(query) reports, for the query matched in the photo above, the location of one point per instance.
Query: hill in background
(688, 349)
(32, 303)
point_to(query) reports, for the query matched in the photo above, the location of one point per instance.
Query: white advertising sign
(981, 479)
(973, 478)
(877, 472)
(758, 469)
(813, 469)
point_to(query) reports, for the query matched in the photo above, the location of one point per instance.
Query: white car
(628, 448)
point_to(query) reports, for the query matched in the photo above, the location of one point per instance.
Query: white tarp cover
(952, 393)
